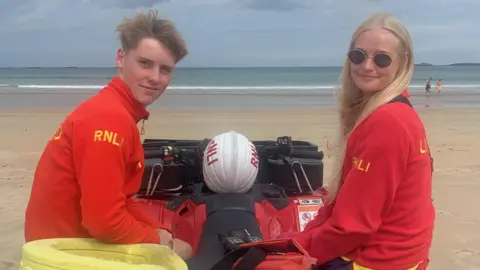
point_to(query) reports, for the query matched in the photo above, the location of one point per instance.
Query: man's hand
(165, 238)
(183, 249)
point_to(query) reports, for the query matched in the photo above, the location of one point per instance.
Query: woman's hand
(165, 238)
(182, 249)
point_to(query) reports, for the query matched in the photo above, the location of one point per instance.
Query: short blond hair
(148, 25)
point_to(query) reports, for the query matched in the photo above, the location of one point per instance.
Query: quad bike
(287, 194)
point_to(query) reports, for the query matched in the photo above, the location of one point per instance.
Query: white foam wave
(449, 86)
(281, 87)
(225, 88)
(56, 86)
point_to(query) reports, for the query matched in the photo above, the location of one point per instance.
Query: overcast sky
(232, 32)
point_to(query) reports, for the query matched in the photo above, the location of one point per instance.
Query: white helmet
(230, 163)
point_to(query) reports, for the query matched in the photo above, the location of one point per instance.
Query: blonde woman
(380, 214)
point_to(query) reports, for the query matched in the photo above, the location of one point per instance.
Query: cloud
(11, 9)
(129, 4)
(7, 7)
(277, 5)
(27, 15)
(232, 32)
(40, 10)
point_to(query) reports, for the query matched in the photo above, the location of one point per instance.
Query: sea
(229, 88)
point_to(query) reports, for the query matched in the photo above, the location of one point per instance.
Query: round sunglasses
(358, 56)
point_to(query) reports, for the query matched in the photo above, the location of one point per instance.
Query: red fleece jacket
(383, 215)
(89, 171)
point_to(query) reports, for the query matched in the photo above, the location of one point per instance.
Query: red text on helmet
(211, 153)
(254, 159)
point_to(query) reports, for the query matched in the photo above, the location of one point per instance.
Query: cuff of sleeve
(154, 237)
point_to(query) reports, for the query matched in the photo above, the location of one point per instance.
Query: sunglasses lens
(382, 60)
(356, 57)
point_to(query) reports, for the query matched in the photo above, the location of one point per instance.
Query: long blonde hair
(354, 107)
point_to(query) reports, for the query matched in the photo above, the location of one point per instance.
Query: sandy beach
(452, 133)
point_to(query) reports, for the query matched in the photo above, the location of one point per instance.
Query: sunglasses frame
(366, 56)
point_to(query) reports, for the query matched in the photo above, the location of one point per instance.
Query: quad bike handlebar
(169, 151)
(288, 151)
(282, 153)
(283, 148)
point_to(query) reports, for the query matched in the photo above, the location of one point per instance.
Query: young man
(92, 166)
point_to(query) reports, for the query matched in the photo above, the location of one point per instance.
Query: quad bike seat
(226, 213)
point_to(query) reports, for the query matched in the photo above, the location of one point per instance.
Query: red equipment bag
(280, 254)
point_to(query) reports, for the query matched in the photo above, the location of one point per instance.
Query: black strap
(403, 99)
(252, 257)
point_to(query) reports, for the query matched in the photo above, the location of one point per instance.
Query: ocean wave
(199, 87)
(55, 86)
(449, 86)
(214, 88)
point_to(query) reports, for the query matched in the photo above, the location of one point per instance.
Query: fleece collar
(123, 92)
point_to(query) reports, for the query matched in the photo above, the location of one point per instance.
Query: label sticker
(306, 213)
(316, 201)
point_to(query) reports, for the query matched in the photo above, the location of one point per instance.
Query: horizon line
(307, 66)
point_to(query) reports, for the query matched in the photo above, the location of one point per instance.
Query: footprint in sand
(471, 222)
(445, 213)
(453, 170)
(465, 258)
(466, 253)
(7, 265)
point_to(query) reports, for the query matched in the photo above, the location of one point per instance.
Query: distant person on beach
(93, 165)
(439, 86)
(428, 85)
(379, 214)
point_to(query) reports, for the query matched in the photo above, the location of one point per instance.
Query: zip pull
(142, 129)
